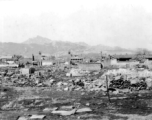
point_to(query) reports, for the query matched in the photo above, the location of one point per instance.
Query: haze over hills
(45, 45)
(38, 40)
(42, 41)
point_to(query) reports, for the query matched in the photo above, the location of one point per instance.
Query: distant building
(27, 71)
(43, 59)
(6, 58)
(90, 66)
(128, 57)
(76, 59)
(149, 57)
(119, 63)
(109, 62)
(123, 57)
(7, 61)
(76, 73)
(47, 57)
(47, 62)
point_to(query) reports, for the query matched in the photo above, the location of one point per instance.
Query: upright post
(107, 88)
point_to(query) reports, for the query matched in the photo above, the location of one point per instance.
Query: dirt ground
(28, 101)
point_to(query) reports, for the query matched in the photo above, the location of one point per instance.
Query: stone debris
(49, 109)
(64, 113)
(67, 107)
(31, 117)
(87, 104)
(37, 116)
(132, 79)
(22, 118)
(115, 81)
(81, 110)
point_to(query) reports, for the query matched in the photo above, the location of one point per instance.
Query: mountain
(47, 46)
(38, 40)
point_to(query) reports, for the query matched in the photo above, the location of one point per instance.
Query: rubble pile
(112, 81)
(41, 78)
(132, 79)
(130, 84)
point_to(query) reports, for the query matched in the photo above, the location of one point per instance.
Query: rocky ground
(54, 96)
(23, 103)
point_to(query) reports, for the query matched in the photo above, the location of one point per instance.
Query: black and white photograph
(75, 60)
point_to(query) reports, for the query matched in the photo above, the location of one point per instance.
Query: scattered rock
(83, 110)
(66, 107)
(50, 109)
(37, 116)
(22, 118)
(87, 104)
(64, 113)
(66, 89)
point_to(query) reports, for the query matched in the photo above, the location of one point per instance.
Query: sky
(123, 23)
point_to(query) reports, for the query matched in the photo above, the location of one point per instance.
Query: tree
(141, 54)
(17, 57)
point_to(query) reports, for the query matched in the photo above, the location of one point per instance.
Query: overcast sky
(124, 23)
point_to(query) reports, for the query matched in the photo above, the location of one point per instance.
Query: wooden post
(107, 88)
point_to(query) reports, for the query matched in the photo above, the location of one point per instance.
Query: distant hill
(47, 46)
(108, 50)
(38, 40)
